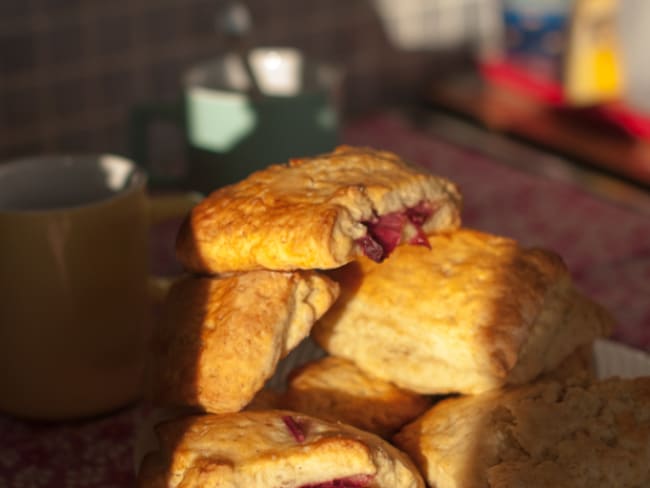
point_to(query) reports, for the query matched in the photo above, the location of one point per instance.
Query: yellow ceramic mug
(74, 284)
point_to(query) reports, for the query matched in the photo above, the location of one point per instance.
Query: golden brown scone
(220, 339)
(273, 449)
(544, 435)
(336, 389)
(474, 313)
(317, 213)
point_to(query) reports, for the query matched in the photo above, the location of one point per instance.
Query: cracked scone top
(578, 434)
(317, 213)
(272, 449)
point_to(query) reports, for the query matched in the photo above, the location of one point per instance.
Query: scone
(335, 389)
(543, 435)
(272, 449)
(473, 314)
(317, 213)
(219, 340)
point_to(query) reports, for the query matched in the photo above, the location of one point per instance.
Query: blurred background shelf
(566, 132)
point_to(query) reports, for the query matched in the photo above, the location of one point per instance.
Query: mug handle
(141, 117)
(163, 207)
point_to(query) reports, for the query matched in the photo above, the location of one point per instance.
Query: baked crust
(310, 212)
(579, 434)
(219, 340)
(476, 312)
(335, 389)
(272, 449)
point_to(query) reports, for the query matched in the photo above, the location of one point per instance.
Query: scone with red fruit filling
(317, 213)
(272, 449)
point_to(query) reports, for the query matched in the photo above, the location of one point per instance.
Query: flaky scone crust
(548, 434)
(258, 450)
(219, 340)
(307, 214)
(475, 312)
(336, 389)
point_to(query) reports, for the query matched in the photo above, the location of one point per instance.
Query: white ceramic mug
(75, 304)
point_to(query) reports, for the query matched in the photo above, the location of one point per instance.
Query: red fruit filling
(371, 248)
(420, 239)
(358, 481)
(420, 213)
(385, 231)
(294, 427)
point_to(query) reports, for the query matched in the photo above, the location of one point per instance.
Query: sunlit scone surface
(475, 312)
(576, 434)
(336, 389)
(273, 449)
(317, 213)
(220, 339)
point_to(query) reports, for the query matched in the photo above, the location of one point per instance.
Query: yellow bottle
(593, 70)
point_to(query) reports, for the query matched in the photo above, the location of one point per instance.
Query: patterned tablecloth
(606, 247)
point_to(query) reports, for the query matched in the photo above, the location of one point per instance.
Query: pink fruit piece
(385, 231)
(371, 248)
(420, 239)
(419, 214)
(358, 481)
(294, 427)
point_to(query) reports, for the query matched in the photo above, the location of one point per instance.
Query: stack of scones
(424, 353)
